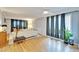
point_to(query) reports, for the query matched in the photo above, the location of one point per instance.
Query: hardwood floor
(39, 44)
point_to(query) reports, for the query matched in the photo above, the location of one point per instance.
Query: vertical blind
(57, 24)
(56, 27)
(19, 24)
(52, 25)
(48, 26)
(62, 26)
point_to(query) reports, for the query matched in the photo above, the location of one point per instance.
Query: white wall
(1, 18)
(75, 26)
(8, 22)
(10, 16)
(40, 25)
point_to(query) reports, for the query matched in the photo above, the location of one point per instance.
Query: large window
(59, 24)
(68, 21)
(22, 24)
(14, 22)
(54, 24)
(19, 24)
(50, 25)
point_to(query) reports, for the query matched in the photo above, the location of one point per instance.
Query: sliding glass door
(52, 26)
(62, 34)
(68, 21)
(49, 26)
(59, 25)
(56, 26)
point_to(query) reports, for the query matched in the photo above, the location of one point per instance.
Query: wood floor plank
(40, 44)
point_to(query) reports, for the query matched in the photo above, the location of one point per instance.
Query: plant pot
(66, 42)
(71, 42)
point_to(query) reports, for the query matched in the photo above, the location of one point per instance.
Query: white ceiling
(35, 12)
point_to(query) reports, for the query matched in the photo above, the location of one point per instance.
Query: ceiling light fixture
(45, 12)
(28, 19)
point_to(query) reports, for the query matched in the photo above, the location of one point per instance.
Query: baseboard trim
(55, 38)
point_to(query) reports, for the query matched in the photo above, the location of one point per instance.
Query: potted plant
(67, 36)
